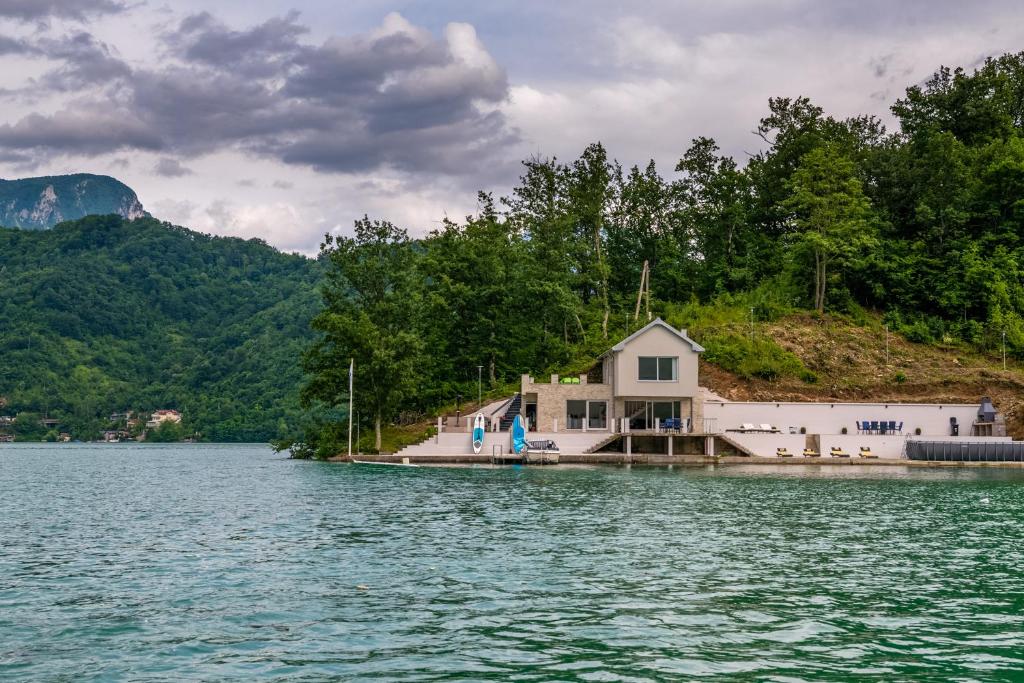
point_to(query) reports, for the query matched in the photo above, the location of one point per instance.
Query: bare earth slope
(851, 365)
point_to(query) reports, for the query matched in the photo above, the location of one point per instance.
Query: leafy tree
(370, 305)
(831, 213)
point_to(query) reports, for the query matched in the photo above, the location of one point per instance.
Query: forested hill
(104, 314)
(40, 203)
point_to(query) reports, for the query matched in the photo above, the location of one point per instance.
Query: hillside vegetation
(801, 356)
(104, 314)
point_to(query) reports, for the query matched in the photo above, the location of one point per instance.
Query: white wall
(830, 418)
(765, 444)
(656, 341)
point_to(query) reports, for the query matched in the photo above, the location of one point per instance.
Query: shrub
(917, 431)
(843, 430)
(918, 332)
(899, 378)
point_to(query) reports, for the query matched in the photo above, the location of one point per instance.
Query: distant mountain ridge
(40, 203)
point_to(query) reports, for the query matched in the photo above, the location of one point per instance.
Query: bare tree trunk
(490, 370)
(376, 427)
(824, 280)
(604, 281)
(819, 281)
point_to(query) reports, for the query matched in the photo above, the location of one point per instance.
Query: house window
(597, 415)
(658, 368)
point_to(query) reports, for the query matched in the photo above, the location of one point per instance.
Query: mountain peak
(40, 203)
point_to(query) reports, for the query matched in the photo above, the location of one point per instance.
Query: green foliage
(754, 358)
(167, 431)
(103, 315)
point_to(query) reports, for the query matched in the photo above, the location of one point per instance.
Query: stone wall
(551, 400)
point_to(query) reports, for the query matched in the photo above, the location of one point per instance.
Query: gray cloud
(170, 168)
(34, 10)
(260, 51)
(15, 46)
(398, 97)
(84, 61)
(83, 130)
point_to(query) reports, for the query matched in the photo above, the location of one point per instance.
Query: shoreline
(674, 460)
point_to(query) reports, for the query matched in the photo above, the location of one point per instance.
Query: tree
(370, 297)
(831, 214)
(714, 198)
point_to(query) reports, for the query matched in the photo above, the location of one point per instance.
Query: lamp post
(479, 386)
(458, 410)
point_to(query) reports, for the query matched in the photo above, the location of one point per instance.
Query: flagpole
(351, 371)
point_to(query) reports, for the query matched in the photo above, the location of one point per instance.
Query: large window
(575, 414)
(642, 414)
(658, 368)
(594, 414)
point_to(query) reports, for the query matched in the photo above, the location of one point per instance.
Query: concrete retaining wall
(830, 418)
(766, 444)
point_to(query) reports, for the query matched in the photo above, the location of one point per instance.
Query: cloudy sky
(290, 120)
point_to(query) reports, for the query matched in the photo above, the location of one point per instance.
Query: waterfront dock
(663, 460)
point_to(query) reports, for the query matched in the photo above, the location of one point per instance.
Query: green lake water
(158, 563)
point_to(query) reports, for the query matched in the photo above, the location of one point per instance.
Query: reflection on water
(214, 562)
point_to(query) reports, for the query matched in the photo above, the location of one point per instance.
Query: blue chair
(900, 428)
(859, 430)
(874, 425)
(892, 425)
(865, 426)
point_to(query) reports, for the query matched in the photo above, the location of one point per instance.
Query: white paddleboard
(478, 432)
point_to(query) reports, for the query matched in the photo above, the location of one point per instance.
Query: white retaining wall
(765, 444)
(830, 418)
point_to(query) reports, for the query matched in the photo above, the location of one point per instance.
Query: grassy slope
(850, 363)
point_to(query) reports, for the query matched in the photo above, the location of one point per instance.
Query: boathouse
(649, 379)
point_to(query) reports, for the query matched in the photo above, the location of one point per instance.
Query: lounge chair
(767, 428)
(837, 452)
(783, 453)
(811, 453)
(745, 427)
(865, 452)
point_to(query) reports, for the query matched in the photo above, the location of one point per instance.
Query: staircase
(510, 413)
(459, 443)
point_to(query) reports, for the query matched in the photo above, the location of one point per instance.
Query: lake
(216, 562)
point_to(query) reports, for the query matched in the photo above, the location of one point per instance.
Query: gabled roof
(657, 322)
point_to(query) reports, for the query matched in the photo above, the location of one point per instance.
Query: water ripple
(220, 562)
